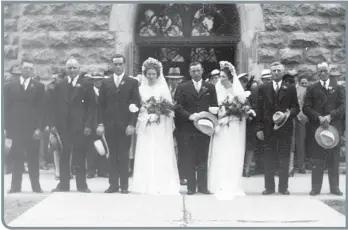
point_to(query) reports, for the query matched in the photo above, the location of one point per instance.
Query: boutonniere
(122, 82)
(204, 89)
(78, 85)
(284, 87)
(31, 86)
(331, 89)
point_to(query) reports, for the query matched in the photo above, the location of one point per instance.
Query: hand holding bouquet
(157, 107)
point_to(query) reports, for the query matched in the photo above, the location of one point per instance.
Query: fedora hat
(101, 146)
(327, 138)
(215, 72)
(279, 119)
(97, 75)
(174, 73)
(206, 123)
(266, 73)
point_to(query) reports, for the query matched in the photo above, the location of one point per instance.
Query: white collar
(328, 82)
(279, 83)
(120, 76)
(25, 81)
(74, 80)
(197, 82)
(96, 90)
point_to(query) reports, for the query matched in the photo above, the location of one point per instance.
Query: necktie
(197, 87)
(72, 82)
(117, 81)
(325, 84)
(277, 87)
(23, 85)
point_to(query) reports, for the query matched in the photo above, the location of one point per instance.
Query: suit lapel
(270, 93)
(76, 88)
(193, 89)
(323, 92)
(121, 84)
(202, 90)
(282, 92)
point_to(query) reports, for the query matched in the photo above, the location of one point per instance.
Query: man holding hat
(325, 107)
(277, 105)
(96, 163)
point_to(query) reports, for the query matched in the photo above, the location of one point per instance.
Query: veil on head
(152, 63)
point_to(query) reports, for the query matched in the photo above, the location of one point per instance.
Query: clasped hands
(194, 117)
(325, 120)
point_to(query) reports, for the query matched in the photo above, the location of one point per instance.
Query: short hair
(277, 64)
(27, 60)
(303, 77)
(71, 60)
(323, 64)
(194, 64)
(227, 71)
(118, 56)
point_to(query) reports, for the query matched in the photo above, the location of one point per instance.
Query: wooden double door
(181, 56)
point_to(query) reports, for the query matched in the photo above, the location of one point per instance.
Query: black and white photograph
(173, 114)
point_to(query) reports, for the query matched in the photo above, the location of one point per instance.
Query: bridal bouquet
(157, 106)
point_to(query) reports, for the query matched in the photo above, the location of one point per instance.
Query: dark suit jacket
(114, 103)
(322, 102)
(189, 102)
(269, 102)
(23, 110)
(72, 106)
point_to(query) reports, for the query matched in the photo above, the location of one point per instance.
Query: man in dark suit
(72, 100)
(324, 104)
(273, 97)
(23, 121)
(115, 95)
(95, 162)
(192, 98)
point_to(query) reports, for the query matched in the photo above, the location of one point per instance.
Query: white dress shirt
(275, 85)
(74, 80)
(118, 79)
(327, 83)
(26, 82)
(96, 90)
(197, 85)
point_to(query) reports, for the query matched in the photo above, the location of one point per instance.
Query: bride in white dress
(155, 165)
(227, 146)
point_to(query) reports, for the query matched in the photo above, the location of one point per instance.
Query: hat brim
(333, 130)
(96, 77)
(266, 76)
(278, 126)
(209, 116)
(174, 76)
(101, 146)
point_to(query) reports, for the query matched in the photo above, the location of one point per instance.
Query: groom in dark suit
(273, 97)
(193, 97)
(115, 95)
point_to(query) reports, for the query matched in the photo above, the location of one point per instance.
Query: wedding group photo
(173, 115)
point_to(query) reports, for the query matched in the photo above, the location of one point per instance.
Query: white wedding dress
(226, 154)
(155, 164)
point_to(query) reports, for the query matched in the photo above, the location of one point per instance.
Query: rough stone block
(11, 52)
(99, 55)
(334, 40)
(58, 39)
(45, 9)
(304, 40)
(271, 9)
(310, 23)
(267, 55)
(338, 55)
(331, 10)
(289, 24)
(10, 25)
(34, 40)
(99, 23)
(272, 23)
(91, 9)
(89, 68)
(304, 9)
(40, 23)
(93, 39)
(338, 24)
(75, 23)
(290, 56)
(6, 13)
(306, 70)
(9, 63)
(78, 53)
(317, 55)
(272, 39)
(41, 56)
(6, 39)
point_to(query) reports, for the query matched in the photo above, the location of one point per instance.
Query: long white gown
(226, 155)
(155, 167)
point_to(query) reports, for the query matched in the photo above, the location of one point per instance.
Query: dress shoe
(267, 192)
(204, 192)
(85, 190)
(183, 182)
(337, 192)
(190, 192)
(38, 190)
(314, 193)
(111, 190)
(124, 191)
(286, 192)
(13, 191)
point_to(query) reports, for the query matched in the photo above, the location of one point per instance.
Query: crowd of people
(100, 124)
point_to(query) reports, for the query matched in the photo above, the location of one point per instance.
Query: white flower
(222, 111)
(251, 112)
(243, 96)
(133, 108)
(213, 110)
(224, 120)
(157, 98)
(153, 117)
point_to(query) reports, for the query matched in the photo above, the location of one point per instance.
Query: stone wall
(303, 35)
(51, 33)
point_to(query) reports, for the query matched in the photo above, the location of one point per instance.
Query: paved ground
(200, 210)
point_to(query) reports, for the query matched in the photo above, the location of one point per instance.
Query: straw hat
(206, 123)
(97, 75)
(266, 73)
(215, 72)
(101, 146)
(327, 138)
(242, 75)
(174, 73)
(279, 119)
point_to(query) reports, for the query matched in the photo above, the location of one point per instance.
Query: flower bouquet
(157, 106)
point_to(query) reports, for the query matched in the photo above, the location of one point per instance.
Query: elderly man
(276, 105)
(23, 121)
(71, 119)
(324, 104)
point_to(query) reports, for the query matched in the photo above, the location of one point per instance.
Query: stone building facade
(299, 35)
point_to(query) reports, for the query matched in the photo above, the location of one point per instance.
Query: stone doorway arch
(123, 19)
